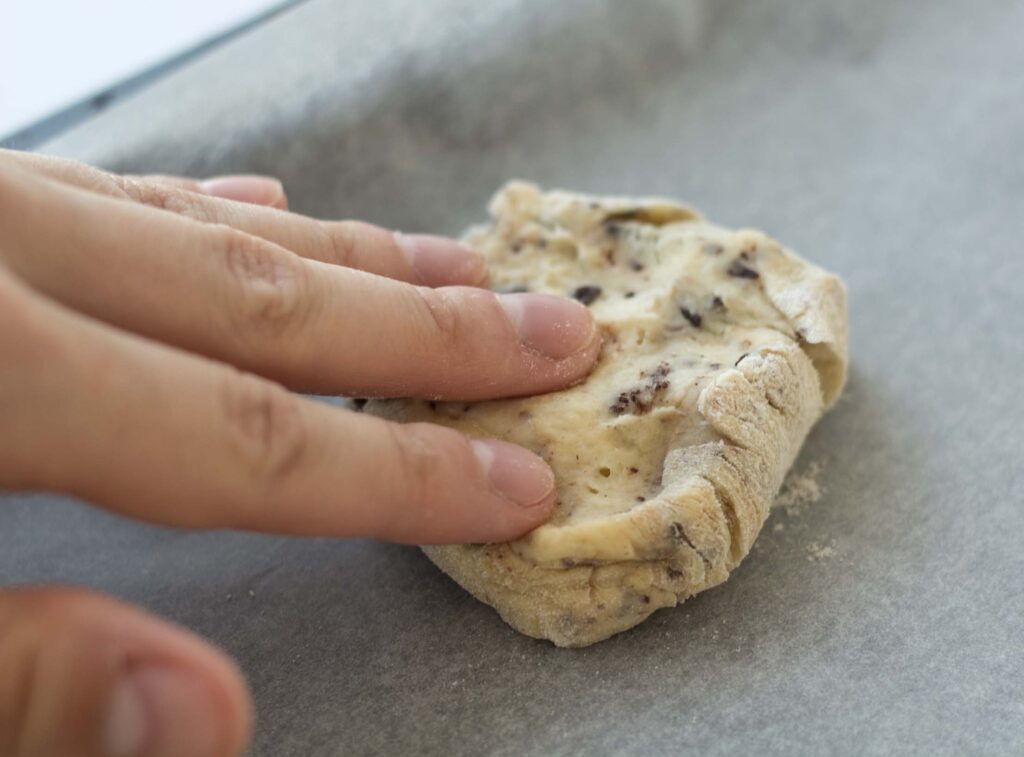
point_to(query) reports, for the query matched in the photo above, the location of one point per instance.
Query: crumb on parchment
(800, 489)
(816, 551)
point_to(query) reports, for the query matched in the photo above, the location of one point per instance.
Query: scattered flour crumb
(800, 489)
(817, 551)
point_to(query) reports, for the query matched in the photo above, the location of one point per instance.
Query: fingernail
(256, 190)
(553, 326)
(157, 711)
(438, 261)
(517, 474)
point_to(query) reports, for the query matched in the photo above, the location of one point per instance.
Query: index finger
(172, 438)
(322, 328)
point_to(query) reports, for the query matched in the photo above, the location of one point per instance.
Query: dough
(721, 350)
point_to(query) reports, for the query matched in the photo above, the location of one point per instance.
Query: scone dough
(721, 350)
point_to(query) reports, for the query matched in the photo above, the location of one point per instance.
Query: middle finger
(313, 326)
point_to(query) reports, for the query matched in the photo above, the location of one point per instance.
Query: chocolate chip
(629, 295)
(631, 214)
(622, 402)
(717, 303)
(646, 599)
(636, 265)
(516, 247)
(641, 399)
(633, 471)
(694, 318)
(641, 499)
(587, 294)
(741, 271)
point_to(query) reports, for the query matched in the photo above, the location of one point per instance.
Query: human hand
(143, 325)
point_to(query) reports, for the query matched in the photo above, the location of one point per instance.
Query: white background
(54, 53)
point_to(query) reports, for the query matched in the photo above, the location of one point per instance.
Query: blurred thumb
(84, 675)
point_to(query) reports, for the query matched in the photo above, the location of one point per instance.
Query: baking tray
(882, 140)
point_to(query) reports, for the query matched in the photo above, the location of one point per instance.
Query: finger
(417, 258)
(84, 675)
(168, 437)
(249, 188)
(252, 189)
(322, 328)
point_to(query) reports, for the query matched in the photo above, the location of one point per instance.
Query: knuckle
(422, 453)
(166, 197)
(267, 426)
(444, 318)
(97, 180)
(340, 242)
(269, 284)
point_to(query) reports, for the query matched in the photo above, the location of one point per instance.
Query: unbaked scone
(721, 350)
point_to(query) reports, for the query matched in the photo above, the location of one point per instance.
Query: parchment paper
(883, 140)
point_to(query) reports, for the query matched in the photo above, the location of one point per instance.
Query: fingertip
(580, 363)
(523, 483)
(106, 678)
(439, 261)
(517, 474)
(165, 709)
(252, 189)
(548, 325)
(178, 693)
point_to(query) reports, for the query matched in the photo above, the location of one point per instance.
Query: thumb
(84, 675)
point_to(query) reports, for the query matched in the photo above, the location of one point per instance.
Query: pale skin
(150, 331)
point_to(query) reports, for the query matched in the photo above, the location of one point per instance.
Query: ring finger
(417, 258)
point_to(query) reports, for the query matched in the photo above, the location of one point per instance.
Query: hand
(143, 325)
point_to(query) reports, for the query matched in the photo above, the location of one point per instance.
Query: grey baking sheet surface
(884, 140)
